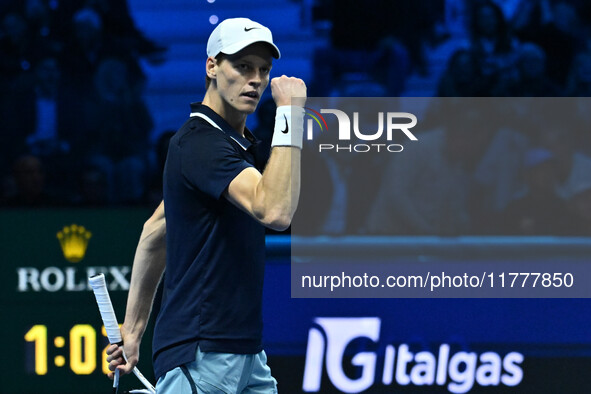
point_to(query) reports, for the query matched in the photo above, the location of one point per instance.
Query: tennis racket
(99, 287)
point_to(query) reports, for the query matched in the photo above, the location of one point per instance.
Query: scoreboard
(52, 327)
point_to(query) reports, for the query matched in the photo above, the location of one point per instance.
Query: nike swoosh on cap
(251, 28)
(286, 126)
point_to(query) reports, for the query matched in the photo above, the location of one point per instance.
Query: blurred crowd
(503, 48)
(504, 166)
(543, 50)
(76, 131)
(480, 166)
(75, 128)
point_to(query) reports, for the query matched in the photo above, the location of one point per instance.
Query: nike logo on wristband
(251, 28)
(286, 126)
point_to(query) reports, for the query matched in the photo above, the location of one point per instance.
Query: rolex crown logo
(74, 240)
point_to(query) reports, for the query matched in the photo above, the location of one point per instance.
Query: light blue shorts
(220, 373)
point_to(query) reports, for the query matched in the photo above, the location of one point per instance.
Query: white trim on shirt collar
(214, 124)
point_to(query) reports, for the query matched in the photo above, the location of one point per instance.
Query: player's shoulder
(197, 135)
(198, 128)
(198, 124)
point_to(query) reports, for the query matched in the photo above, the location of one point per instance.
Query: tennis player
(217, 200)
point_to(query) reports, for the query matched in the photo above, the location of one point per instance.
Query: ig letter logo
(339, 333)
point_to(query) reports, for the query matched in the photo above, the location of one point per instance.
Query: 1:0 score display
(81, 345)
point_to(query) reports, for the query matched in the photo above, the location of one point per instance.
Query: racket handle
(116, 381)
(99, 287)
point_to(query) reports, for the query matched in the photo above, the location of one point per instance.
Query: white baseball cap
(233, 35)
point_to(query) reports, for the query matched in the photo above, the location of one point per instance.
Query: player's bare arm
(148, 266)
(271, 197)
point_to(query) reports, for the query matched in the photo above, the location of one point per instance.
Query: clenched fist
(288, 91)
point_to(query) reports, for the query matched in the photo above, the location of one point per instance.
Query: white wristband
(289, 126)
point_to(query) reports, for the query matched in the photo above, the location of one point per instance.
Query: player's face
(242, 78)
